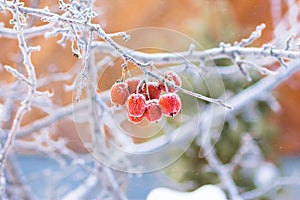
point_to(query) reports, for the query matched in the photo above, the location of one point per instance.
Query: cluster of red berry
(147, 99)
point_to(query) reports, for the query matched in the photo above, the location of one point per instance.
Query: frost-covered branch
(51, 119)
(18, 183)
(82, 190)
(17, 74)
(222, 171)
(18, 20)
(31, 32)
(279, 183)
(209, 54)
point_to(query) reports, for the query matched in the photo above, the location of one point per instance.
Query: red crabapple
(173, 77)
(119, 93)
(170, 104)
(135, 120)
(132, 84)
(154, 91)
(153, 112)
(136, 105)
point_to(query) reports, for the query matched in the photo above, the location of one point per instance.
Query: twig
(254, 194)
(124, 35)
(247, 146)
(222, 171)
(31, 32)
(262, 70)
(17, 74)
(264, 85)
(46, 121)
(288, 42)
(239, 63)
(83, 189)
(85, 69)
(116, 191)
(254, 35)
(21, 188)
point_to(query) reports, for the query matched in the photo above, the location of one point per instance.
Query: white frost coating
(206, 192)
(81, 190)
(2, 113)
(265, 174)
